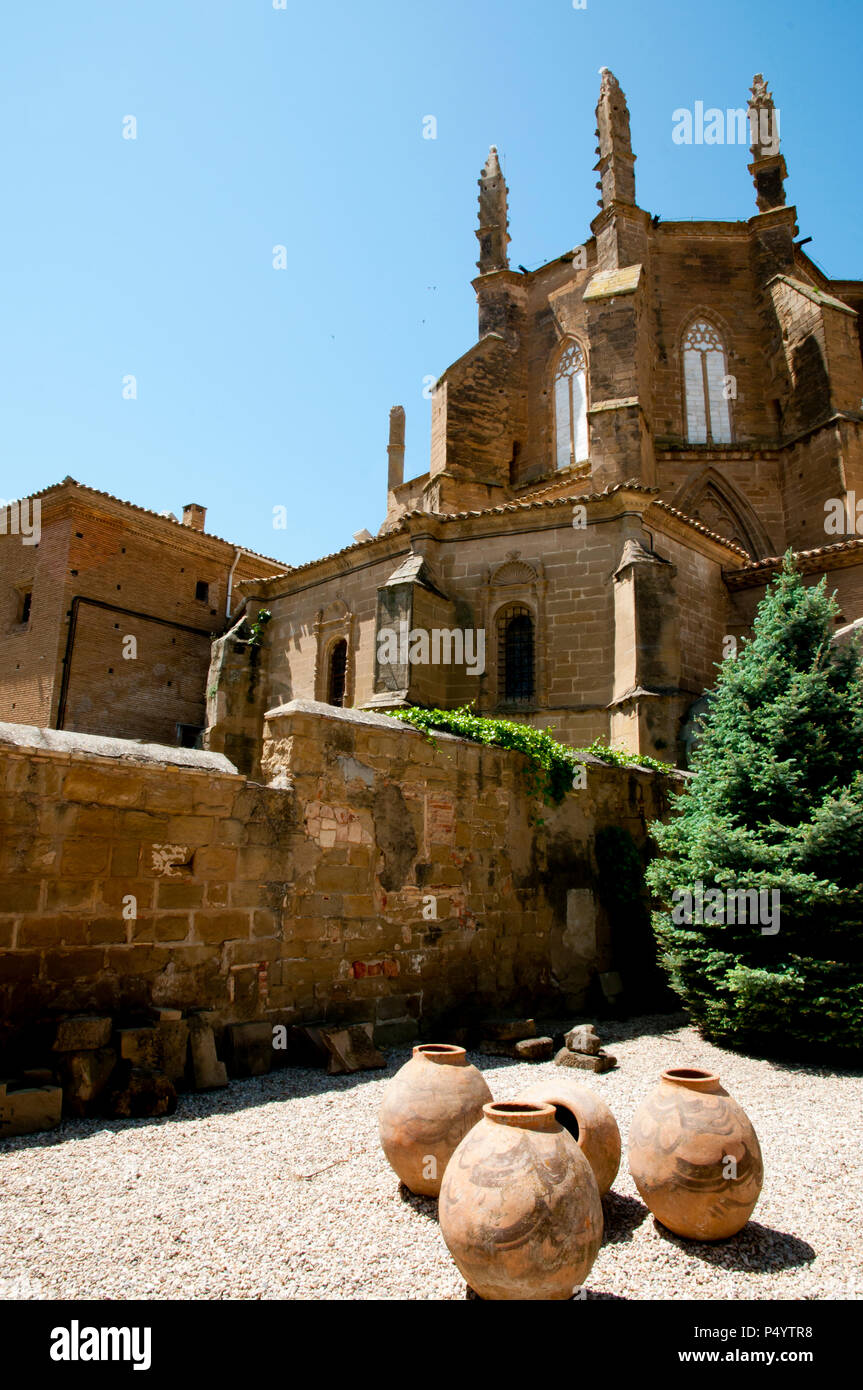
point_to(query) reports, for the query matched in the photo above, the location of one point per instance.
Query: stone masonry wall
(379, 876)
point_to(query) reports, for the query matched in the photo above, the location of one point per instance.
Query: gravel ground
(277, 1188)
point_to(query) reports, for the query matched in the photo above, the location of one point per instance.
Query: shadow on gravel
(613, 1030)
(423, 1206)
(755, 1249)
(830, 1071)
(622, 1215)
(281, 1084)
(589, 1296)
(284, 1083)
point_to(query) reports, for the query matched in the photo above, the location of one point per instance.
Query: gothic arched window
(337, 673)
(570, 406)
(708, 414)
(515, 665)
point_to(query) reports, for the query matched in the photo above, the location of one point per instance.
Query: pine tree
(775, 804)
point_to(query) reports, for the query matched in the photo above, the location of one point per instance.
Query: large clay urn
(695, 1157)
(590, 1122)
(519, 1206)
(428, 1108)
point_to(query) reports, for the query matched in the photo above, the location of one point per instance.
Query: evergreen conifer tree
(775, 805)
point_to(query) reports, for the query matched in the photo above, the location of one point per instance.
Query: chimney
(396, 448)
(194, 516)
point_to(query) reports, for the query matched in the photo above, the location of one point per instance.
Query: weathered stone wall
(534, 557)
(379, 876)
(95, 830)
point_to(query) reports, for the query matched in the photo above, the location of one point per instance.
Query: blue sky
(303, 127)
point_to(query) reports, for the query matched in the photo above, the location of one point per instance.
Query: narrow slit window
(708, 414)
(570, 406)
(515, 647)
(338, 673)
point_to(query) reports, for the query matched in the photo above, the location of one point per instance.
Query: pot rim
(694, 1078)
(523, 1114)
(445, 1053)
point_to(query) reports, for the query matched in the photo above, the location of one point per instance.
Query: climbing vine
(552, 762)
(254, 642)
(256, 636)
(616, 757)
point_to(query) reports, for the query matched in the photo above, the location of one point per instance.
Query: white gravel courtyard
(277, 1188)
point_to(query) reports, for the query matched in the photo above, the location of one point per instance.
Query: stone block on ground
(28, 1110)
(140, 1094)
(507, 1029)
(85, 1077)
(535, 1049)
(208, 1072)
(174, 1033)
(141, 1046)
(83, 1033)
(250, 1048)
(584, 1038)
(352, 1049)
(522, 1050)
(584, 1062)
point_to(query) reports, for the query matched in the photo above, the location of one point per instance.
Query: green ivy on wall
(553, 762)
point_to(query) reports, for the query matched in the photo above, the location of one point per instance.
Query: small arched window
(515, 677)
(708, 414)
(570, 406)
(337, 673)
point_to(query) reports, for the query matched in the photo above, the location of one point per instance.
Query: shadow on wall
(623, 894)
(811, 382)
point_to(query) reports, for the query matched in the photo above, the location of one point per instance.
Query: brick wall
(29, 669)
(112, 556)
(306, 899)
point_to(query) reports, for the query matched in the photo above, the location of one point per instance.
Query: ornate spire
(493, 233)
(616, 165)
(768, 165)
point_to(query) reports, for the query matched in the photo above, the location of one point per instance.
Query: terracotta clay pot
(519, 1206)
(695, 1157)
(590, 1122)
(428, 1108)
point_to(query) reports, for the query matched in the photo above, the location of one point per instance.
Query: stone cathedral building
(643, 426)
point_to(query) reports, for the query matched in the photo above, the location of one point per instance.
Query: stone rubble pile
(94, 1065)
(584, 1050)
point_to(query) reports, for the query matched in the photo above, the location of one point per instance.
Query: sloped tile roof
(147, 511)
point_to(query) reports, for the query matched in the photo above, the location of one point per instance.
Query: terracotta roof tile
(171, 521)
(537, 503)
(804, 557)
